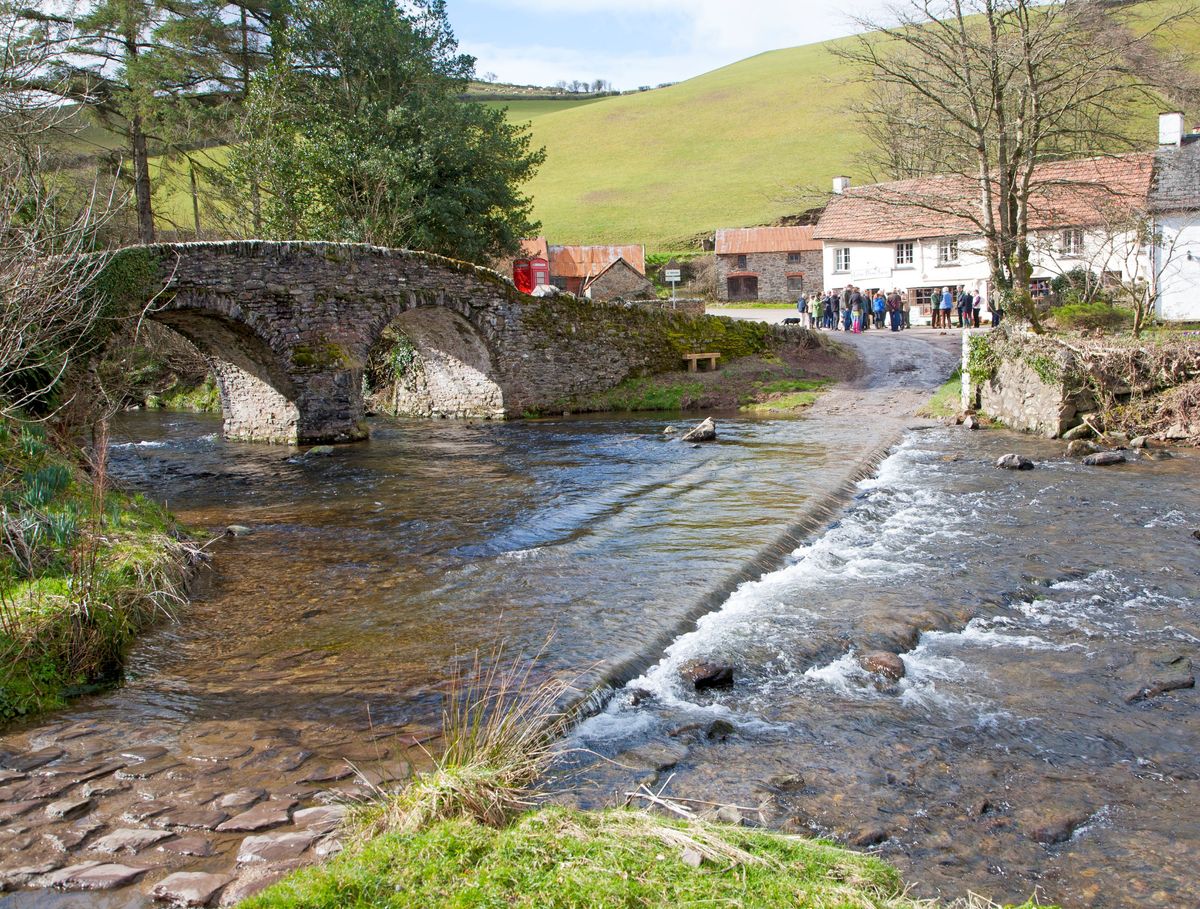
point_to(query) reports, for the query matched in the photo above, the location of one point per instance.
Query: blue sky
(638, 42)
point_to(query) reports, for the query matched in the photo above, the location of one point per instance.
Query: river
(1032, 603)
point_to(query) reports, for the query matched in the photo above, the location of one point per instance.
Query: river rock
(1139, 442)
(95, 876)
(275, 847)
(241, 799)
(1080, 448)
(670, 430)
(131, 840)
(1104, 459)
(1014, 462)
(970, 422)
(692, 858)
(704, 674)
(1117, 439)
(657, 756)
(704, 431)
(1052, 827)
(261, 817)
(317, 451)
(30, 760)
(139, 754)
(1082, 431)
(1158, 455)
(322, 818)
(1176, 432)
(869, 836)
(190, 888)
(1175, 681)
(193, 845)
(67, 808)
(238, 530)
(191, 818)
(880, 662)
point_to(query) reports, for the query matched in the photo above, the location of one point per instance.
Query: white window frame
(948, 251)
(905, 255)
(841, 260)
(1070, 242)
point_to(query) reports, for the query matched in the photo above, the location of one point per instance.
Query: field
(728, 148)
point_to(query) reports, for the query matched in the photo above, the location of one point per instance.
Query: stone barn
(619, 280)
(572, 267)
(767, 263)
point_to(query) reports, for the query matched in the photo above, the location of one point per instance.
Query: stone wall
(620, 280)
(772, 270)
(290, 327)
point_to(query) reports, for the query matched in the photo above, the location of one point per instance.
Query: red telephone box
(529, 274)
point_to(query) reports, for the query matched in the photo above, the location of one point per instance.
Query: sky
(632, 43)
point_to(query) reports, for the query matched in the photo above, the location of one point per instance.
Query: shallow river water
(1026, 607)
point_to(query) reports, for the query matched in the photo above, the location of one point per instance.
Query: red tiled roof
(535, 248)
(1076, 193)
(742, 240)
(589, 261)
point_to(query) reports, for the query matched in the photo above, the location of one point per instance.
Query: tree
(360, 134)
(987, 91)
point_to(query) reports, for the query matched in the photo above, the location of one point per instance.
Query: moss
(982, 359)
(322, 355)
(203, 398)
(128, 281)
(563, 858)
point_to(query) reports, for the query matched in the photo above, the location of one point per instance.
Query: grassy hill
(725, 149)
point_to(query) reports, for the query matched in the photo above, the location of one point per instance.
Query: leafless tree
(48, 238)
(986, 91)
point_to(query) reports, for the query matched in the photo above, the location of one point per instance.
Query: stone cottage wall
(772, 270)
(622, 280)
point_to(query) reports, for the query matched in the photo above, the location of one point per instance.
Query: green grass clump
(1091, 316)
(647, 393)
(557, 857)
(947, 400)
(202, 398)
(82, 570)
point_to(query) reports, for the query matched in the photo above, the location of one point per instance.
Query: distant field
(725, 149)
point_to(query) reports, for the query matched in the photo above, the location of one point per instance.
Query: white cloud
(695, 36)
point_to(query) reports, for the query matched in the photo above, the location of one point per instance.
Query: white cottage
(918, 236)
(1175, 205)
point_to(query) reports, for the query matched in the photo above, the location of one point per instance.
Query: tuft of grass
(947, 400)
(648, 393)
(500, 728)
(203, 398)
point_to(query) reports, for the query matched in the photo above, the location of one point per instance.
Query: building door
(743, 287)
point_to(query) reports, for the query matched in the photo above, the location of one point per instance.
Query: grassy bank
(202, 398)
(947, 400)
(83, 569)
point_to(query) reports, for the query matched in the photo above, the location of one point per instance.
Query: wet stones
(1174, 681)
(704, 431)
(131, 840)
(1104, 459)
(238, 530)
(1080, 448)
(1014, 462)
(190, 888)
(705, 674)
(882, 663)
(1076, 433)
(970, 421)
(191, 818)
(1053, 828)
(241, 799)
(23, 763)
(194, 845)
(95, 876)
(869, 836)
(321, 819)
(261, 817)
(275, 847)
(655, 756)
(67, 808)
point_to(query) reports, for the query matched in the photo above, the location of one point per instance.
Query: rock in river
(1014, 462)
(880, 662)
(190, 888)
(1104, 459)
(703, 674)
(705, 431)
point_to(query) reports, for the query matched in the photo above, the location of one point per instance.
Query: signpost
(672, 276)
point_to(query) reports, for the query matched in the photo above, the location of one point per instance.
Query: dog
(791, 321)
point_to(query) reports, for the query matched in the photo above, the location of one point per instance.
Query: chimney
(841, 184)
(1170, 128)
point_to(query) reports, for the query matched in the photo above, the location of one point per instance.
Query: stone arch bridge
(290, 327)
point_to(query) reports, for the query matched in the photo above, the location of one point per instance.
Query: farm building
(618, 279)
(1175, 206)
(767, 263)
(918, 236)
(572, 267)
(582, 270)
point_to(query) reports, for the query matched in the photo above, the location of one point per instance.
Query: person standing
(827, 311)
(946, 306)
(880, 306)
(895, 313)
(802, 309)
(966, 306)
(905, 306)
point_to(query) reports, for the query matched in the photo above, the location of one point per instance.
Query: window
(795, 283)
(841, 259)
(1071, 242)
(947, 252)
(904, 254)
(741, 263)
(793, 258)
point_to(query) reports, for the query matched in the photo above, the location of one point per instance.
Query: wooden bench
(694, 360)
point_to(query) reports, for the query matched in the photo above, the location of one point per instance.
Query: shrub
(1088, 316)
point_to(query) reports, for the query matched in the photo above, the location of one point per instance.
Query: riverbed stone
(322, 818)
(95, 876)
(129, 839)
(262, 816)
(10, 810)
(68, 808)
(1082, 431)
(190, 888)
(241, 799)
(191, 818)
(871, 835)
(143, 810)
(1081, 448)
(20, 875)
(1139, 442)
(728, 814)
(706, 674)
(1104, 459)
(1176, 681)
(1051, 826)
(657, 756)
(69, 837)
(883, 663)
(1014, 462)
(193, 845)
(275, 847)
(30, 760)
(970, 421)
(139, 754)
(704, 431)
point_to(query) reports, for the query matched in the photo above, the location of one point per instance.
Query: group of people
(856, 310)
